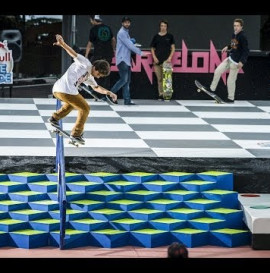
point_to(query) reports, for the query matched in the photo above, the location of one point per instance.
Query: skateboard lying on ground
(93, 94)
(167, 80)
(202, 88)
(61, 132)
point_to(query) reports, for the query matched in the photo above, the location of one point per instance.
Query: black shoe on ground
(160, 98)
(79, 139)
(228, 100)
(130, 103)
(53, 122)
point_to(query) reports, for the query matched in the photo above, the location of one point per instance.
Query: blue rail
(60, 168)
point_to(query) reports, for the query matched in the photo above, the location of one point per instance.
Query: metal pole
(73, 30)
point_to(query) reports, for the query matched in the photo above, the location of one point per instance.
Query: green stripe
(230, 231)
(28, 232)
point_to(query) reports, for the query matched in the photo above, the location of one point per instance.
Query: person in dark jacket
(238, 54)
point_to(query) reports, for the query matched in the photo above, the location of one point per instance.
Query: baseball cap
(97, 18)
(126, 18)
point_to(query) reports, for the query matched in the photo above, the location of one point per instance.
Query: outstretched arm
(60, 42)
(104, 91)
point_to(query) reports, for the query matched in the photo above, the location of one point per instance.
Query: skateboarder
(66, 88)
(162, 49)
(237, 58)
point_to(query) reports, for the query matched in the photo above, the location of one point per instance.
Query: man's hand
(169, 60)
(240, 65)
(225, 49)
(112, 95)
(156, 61)
(59, 40)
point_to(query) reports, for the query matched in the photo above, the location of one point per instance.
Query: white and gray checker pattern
(181, 128)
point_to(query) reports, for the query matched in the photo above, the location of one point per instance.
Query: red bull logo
(6, 57)
(6, 64)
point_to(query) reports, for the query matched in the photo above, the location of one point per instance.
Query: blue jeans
(123, 82)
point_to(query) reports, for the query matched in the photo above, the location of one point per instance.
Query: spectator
(124, 47)
(177, 250)
(101, 37)
(162, 49)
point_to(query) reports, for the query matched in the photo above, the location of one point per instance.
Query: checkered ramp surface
(181, 128)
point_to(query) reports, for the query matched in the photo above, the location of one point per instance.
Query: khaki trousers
(159, 74)
(71, 102)
(225, 65)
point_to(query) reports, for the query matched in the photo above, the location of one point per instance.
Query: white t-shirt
(74, 76)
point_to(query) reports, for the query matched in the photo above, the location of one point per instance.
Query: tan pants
(73, 102)
(225, 65)
(159, 74)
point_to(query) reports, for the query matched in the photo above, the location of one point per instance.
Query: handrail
(60, 168)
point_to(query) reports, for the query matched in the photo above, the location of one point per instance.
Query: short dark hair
(102, 66)
(177, 250)
(240, 21)
(126, 18)
(164, 22)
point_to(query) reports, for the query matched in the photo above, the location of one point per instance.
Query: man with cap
(101, 37)
(124, 47)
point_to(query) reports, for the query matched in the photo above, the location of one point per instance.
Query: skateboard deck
(202, 88)
(167, 81)
(92, 93)
(61, 132)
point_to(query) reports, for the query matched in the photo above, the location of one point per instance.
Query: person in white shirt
(66, 88)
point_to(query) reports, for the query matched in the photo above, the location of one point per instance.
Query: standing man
(238, 55)
(124, 47)
(162, 49)
(101, 37)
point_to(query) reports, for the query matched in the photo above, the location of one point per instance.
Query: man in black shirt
(162, 49)
(238, 55)
(101, 37)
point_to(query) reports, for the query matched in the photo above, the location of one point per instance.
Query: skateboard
(202, 88)
(61, 132)
(167, 80)
(92, 93)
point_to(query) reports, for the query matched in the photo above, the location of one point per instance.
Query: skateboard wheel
(198, 90)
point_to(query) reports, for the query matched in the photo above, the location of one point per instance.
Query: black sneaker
(228, 100)
(130, 103)
(160, 98)
(79, 139)
(53, 122)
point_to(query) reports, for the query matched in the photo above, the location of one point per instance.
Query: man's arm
(127, 42)
(60, 42)
(113, 43)
(171, 54)
(88, 49)
(156, 61)
(224, 49)
(245, 52)
(104, 91)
